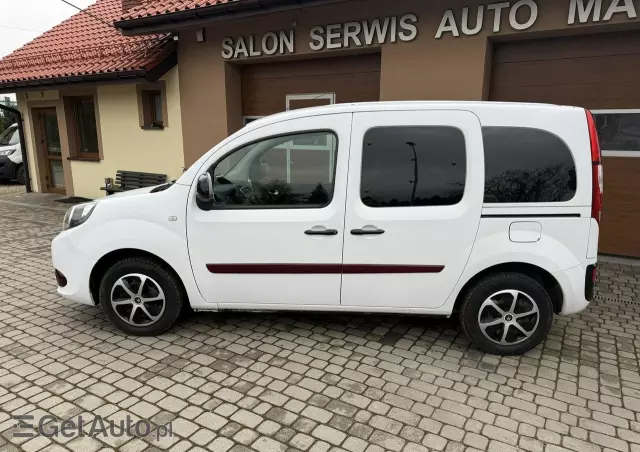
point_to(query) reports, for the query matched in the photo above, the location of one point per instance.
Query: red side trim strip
(319, 269)
(273, 269)
(352, 269)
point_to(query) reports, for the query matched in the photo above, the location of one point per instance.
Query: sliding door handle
(367, 231)
(321, 232)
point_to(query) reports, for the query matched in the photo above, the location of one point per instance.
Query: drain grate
(616, 300)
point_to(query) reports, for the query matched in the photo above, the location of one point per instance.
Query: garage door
(598, 72)
(266, 87)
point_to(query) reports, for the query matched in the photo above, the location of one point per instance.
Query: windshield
(10, 136)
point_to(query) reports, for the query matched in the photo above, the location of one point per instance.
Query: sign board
(520, 15)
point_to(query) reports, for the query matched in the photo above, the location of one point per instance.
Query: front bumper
(7, 168)
(75, 267)
(572, 283)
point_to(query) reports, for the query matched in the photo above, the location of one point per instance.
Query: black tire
(20, 176)
(494, 284)
(165, 279)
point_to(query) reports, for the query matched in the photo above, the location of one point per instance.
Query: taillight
(597, 171)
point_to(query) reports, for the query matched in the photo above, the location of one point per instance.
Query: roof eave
(168, 22)
(150, 74)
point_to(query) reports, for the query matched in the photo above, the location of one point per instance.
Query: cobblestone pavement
(10, 188)
(245, 382)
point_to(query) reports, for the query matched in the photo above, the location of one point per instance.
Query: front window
(9, 137)
(281, 171)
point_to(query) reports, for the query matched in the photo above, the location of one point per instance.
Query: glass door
(51, 149)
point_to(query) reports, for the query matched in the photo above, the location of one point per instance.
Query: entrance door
(414, 200)
(273, 235)
(50, 150)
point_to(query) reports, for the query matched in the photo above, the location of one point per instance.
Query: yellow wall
(125, 145)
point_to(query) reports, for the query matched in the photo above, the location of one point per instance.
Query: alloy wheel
(138, 299)
(508, 317)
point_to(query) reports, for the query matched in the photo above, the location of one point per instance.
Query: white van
(11, 167)
(489, 211)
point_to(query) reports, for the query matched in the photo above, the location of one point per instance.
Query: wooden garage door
(352, 79)
(598, 72)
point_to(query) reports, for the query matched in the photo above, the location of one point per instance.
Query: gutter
(151, 73)
(47, 83)
(167, 22)
(23, 144)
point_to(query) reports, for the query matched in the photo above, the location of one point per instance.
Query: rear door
(414, 200)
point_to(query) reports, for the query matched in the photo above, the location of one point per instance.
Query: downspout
(23, 144)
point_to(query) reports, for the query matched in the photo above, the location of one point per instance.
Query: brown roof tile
(82, 45)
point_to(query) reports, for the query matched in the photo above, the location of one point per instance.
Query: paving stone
(312, 383)
(329, 434)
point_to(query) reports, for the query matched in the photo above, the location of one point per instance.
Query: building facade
(94, 102)
(120, 141)
(237, 63)
(238, 60)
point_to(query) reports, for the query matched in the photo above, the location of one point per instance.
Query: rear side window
(524, 165)
(413, 166)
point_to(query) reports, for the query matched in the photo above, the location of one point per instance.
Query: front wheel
(141, 297)
(20, 176)
(507, 314)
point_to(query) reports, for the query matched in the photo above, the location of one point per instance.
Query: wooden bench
(130, 180)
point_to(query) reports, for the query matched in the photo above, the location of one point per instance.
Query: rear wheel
(141, 297)
(507, 314)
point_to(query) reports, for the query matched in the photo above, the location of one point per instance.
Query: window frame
(212, 167)
(617, 153)
(146, 104)
(73, 133)
(527, 204)
(362, 148)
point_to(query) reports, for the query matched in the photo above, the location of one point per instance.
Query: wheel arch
(108, 260)
(546, 280)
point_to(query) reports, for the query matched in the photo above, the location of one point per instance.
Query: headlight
(77, 215)
(8, 152)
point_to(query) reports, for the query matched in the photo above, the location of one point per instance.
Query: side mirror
(204, 188)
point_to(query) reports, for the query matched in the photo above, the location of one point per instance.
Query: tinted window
(285, 171)
(527, 165)
(413, 166)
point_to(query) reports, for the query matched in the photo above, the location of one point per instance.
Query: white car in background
(486, 211)
(11, 167)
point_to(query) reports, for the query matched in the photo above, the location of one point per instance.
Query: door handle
(367, 231)
(321, 232)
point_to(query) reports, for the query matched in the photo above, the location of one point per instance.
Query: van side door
(272, 236)
(414, 201)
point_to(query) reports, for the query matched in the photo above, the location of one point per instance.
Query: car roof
(473, 106)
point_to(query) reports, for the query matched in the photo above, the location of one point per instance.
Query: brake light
(597, 171)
